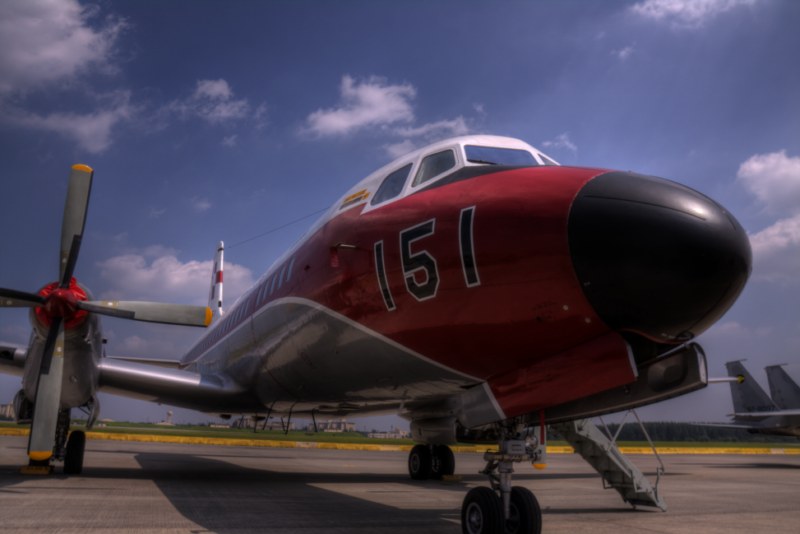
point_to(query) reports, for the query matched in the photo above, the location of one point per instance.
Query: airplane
(475, 286)
(784, 391)
(755, 411)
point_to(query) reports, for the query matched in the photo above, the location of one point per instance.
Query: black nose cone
(655, 257)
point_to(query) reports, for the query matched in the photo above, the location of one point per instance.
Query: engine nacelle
(440, 431)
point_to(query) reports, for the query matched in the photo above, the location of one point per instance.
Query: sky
(240, 121)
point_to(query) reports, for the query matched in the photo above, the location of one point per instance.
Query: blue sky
(208, 121)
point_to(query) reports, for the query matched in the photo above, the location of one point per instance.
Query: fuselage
(462, 293)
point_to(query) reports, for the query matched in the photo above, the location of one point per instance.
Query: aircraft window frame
(547, 161)
(488, 158)
(406, 169)
(418, 181)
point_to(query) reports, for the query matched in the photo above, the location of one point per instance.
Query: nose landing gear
(504, 508)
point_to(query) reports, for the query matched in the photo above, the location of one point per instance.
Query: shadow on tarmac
(224, 497)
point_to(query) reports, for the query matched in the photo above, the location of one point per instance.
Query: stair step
(604, 456)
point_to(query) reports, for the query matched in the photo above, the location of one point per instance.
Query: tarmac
(171, 487)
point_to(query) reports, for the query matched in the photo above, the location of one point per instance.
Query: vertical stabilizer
(215, 295)
(784, 391)
(747, 394)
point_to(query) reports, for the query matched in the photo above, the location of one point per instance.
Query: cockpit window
(392, 185)
(488, 155)
(434, 165)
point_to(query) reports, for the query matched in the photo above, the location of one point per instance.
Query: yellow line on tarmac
(288, 444)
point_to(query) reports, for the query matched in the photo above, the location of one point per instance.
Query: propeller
(151, 312)
(63, 305)
(48, 396)
(75, 208)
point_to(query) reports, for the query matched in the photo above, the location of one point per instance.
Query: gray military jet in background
(755, 411)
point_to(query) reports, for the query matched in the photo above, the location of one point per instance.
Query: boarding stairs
(600, 450)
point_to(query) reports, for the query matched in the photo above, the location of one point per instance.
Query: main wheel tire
(481, 512)
(525, 515)
(419, 462)
(443, 462)
(73, 459)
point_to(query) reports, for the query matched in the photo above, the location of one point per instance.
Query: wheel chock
(36, 469)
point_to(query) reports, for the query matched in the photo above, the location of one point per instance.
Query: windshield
(488, 155)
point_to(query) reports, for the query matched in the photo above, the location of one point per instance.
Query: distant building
(335, 425)
(394, 433)
(7, 412)
(245, 422)
(167, 421)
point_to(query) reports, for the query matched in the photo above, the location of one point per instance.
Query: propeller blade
(75, 208)
(48, 397)
(11, 298)
(53, 335)
(152, 312)
(72, 259)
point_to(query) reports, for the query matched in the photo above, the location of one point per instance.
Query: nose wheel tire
(524, 514)
(481, 512)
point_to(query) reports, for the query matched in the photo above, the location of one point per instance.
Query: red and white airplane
(475, 287)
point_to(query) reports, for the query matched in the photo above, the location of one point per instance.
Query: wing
(157, 362)
(12, 358)
(216, 393)
(764, 415)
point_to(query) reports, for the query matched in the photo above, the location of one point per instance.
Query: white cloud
(213, 90)
(213, 102)
(91, 131)
(200, 204)
(774, 179)
(561, 141)
(624, 53)
(260, 116)
(155, 213)
(776, 252)
(395, 150)
(167, 279)
(689, 14)
(45, 41)
(162, 345)
(230, 140)
(426, 133)
(372, 102)
(446, 128)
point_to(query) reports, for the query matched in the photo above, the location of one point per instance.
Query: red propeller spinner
(62, 302)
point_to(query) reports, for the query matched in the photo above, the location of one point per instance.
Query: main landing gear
(431, 461)
(503, 508)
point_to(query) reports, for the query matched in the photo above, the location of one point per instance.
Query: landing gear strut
(503, 508)
(431, 461)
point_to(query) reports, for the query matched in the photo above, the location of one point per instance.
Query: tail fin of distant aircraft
(784, 391)
(215, 295)
(747, 394)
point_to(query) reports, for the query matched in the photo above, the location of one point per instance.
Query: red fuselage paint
(518, 320)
